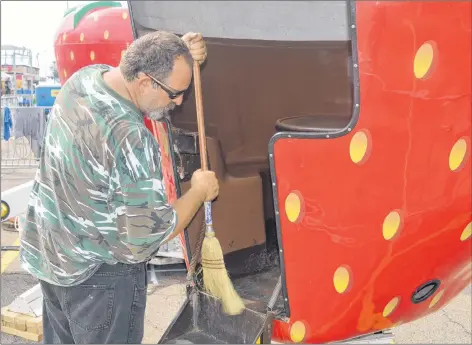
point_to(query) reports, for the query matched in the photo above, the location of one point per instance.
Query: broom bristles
(215, 276)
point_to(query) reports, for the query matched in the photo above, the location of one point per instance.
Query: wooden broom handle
(200, 118)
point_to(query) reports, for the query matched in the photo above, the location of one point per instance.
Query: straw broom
(215, 277)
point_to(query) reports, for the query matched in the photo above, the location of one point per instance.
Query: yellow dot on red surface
(342, 279)
(293, 206)
(424, 59)
(436, 299)
(82, 36)
(391, 225)
(124, 15)
(71, 55)
(464, 272)
(458, 154)
(92, 55)
(391, 306)
(65, 73)
(95, 16)
(467, 273)
(466, 234)
(5, 210)
(297, 332)
(359, 147)
(64, 36)
(106, 34)
(123, 53)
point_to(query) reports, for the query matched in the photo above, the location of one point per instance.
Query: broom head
(215, 277)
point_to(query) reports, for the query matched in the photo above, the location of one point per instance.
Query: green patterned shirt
(99, 195)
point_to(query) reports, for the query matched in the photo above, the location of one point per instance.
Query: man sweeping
(98, 209)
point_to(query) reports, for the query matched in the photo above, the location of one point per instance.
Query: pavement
(452, 324)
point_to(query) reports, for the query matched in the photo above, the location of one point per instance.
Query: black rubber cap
(423, 292)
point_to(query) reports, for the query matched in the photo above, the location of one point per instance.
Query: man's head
(158, 67)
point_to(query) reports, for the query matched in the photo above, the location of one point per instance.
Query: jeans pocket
(90, 306)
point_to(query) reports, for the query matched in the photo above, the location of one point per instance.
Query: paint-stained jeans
(108, 308)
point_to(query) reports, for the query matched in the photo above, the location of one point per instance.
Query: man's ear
(143, 81)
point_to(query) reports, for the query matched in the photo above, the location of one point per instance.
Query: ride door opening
(271, 66)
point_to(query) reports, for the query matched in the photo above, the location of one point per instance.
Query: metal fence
(16, 152)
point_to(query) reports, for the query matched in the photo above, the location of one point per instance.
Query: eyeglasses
(173, 94)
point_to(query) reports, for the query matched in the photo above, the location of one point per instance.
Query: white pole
(14, 71)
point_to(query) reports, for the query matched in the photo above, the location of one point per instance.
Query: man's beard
(161, 113)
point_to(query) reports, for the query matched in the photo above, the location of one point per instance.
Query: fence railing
(17, 152)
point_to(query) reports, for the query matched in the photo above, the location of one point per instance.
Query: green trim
(82, 11)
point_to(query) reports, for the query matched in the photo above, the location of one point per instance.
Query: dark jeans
(108, 308)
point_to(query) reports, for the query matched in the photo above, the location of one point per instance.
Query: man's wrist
(200, 194)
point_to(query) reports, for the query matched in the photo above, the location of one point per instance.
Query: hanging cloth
(7, 123)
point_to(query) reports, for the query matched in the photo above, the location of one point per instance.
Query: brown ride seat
(238, 214)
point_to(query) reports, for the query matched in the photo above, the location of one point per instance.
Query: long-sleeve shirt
(99, 194)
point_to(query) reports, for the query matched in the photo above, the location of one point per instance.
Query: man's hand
(204, 187)
(196, 45)
(206, 183)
